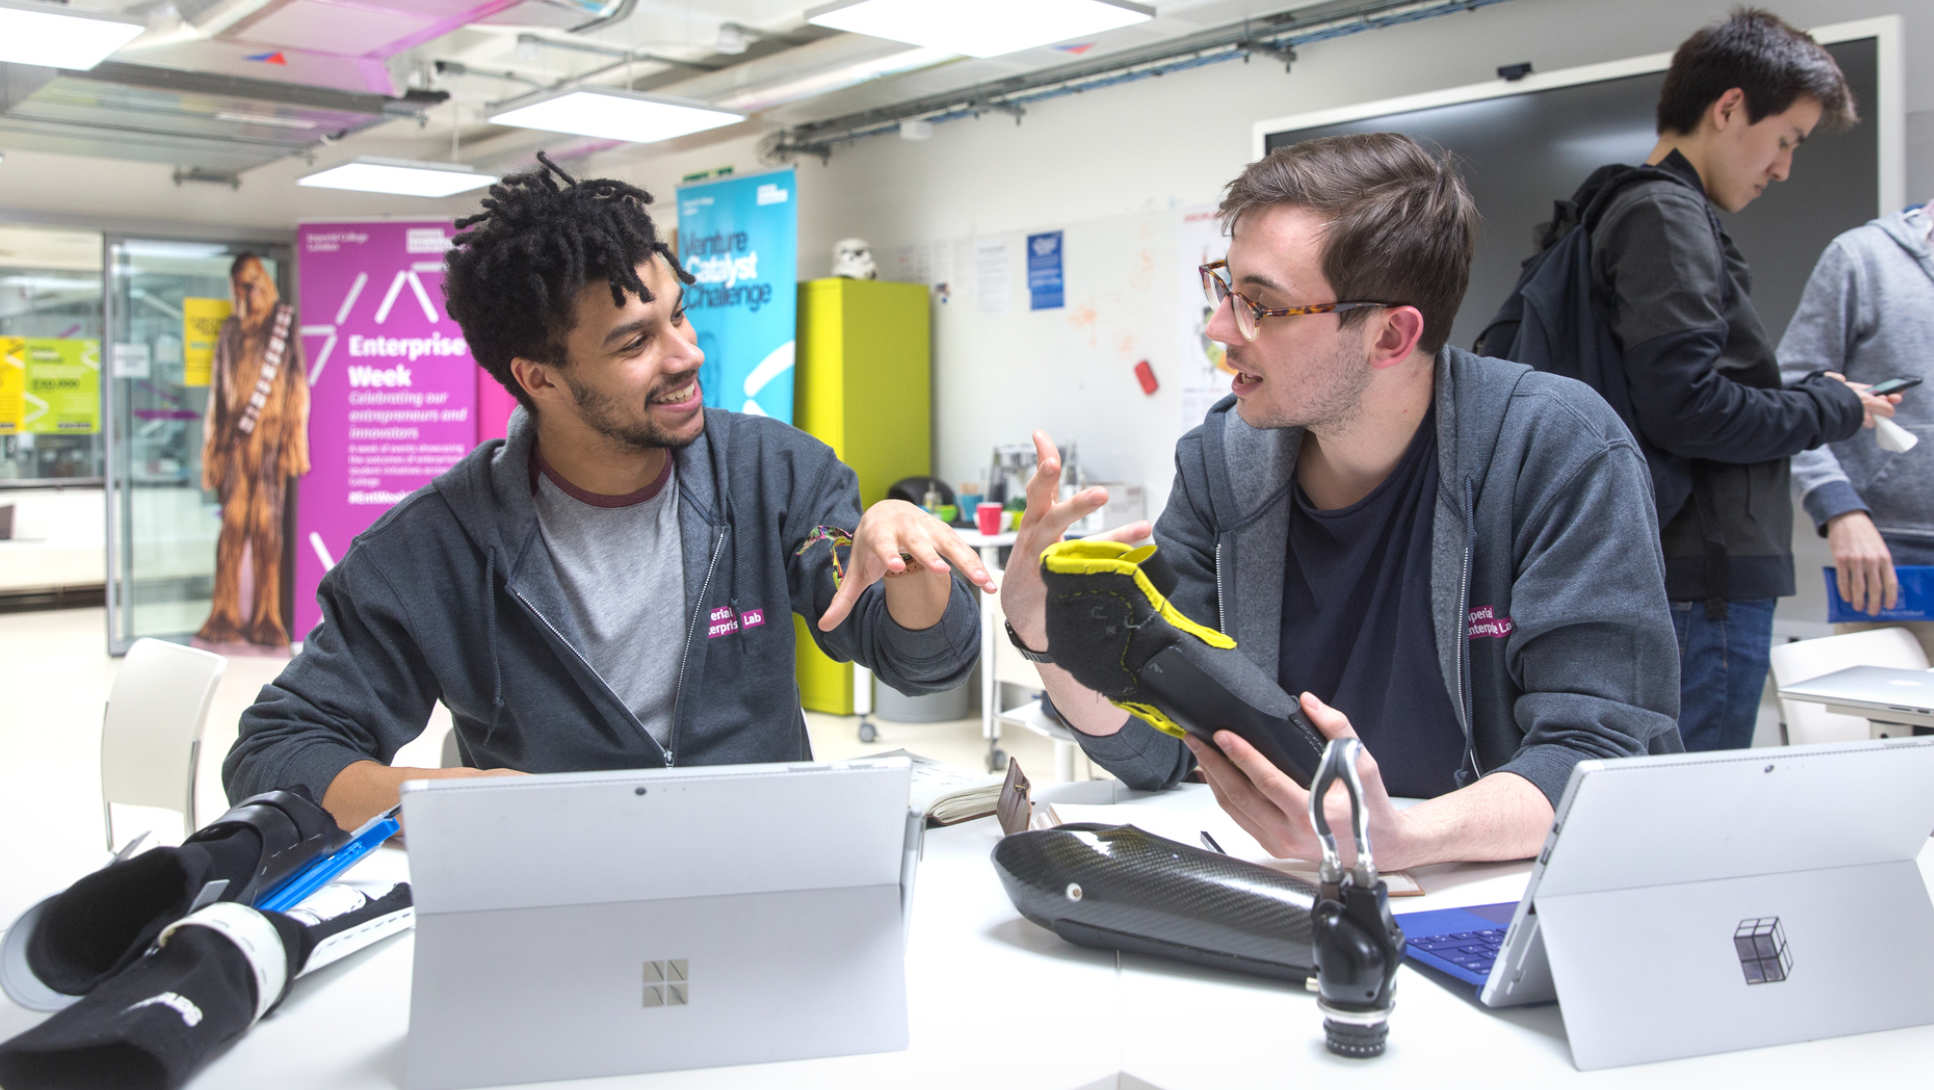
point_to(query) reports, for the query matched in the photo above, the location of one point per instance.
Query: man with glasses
(1451, 557)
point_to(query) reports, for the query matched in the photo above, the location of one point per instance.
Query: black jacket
(1705, 386)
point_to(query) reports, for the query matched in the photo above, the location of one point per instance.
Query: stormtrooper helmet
(853, 260)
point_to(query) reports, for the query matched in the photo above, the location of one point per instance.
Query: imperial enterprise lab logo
(1763, 953)
(668, 983)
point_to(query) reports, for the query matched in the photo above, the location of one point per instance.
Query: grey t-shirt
(622, 567)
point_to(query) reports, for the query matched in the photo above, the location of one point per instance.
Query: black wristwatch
(1028, 653)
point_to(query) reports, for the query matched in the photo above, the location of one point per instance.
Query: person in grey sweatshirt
(1868, 313)
(609, 586)
(1454, 558)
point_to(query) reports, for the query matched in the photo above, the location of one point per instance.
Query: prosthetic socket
(1110, 624)
(1119, 888)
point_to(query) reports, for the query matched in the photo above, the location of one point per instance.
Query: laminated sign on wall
(201, 324)
(13, 384)
(63, 394)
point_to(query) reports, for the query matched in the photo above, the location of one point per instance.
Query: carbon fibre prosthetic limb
(1119, 888)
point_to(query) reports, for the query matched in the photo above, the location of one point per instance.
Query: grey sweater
(452, 596)
(1554, 639)
(1868, 313)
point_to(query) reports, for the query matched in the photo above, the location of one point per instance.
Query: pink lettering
(752, 618)
(722, 628)
(722, 613)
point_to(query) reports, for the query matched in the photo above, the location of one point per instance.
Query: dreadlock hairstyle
(515, 269)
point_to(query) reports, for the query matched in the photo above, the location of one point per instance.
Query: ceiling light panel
(399, 177)
(979, 28)
(37, 33)
(614, 115)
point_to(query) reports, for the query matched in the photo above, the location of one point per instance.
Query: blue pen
(294, 889)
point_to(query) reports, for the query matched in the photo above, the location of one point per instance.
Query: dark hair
(1401, 225)
(515, 269)
(1759, 53)
(241, 259)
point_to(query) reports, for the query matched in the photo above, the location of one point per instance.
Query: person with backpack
(1645, 297)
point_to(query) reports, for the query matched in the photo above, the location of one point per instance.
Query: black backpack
(1554, 321)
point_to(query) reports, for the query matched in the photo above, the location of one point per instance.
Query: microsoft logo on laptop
(1763, 953)
(667, 983)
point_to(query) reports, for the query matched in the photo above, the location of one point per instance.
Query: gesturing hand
(1024, 596)
(894, 538)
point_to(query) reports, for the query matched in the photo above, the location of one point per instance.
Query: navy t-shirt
(1357, 625)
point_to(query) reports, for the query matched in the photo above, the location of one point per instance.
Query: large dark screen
(1521, 152)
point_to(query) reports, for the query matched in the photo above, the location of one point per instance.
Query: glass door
(167, 303)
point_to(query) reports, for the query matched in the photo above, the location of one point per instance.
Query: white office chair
(151, 732)
(1793, 662)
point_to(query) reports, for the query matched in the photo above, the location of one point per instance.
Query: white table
(998, 1002)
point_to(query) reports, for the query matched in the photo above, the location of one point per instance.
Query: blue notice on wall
(1044, 285)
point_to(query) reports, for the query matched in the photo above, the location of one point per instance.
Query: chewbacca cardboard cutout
(255, 437)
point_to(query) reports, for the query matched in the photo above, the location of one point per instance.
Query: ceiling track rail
(1273, 36)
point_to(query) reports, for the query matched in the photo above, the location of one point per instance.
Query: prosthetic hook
(1358, 945)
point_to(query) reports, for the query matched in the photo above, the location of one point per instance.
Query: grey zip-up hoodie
(1554, 638)
(451, 596)
(1868, 313)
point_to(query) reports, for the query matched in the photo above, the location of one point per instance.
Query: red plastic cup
(987, 518)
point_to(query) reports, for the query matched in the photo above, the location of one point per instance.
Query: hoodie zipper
(1221, 619)
(582, 661)
(685, 657)
(1463, 621)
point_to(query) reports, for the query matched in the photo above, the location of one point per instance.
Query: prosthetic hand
(1110, 624)
(1358, 943)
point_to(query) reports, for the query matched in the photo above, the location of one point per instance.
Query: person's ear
(1396, 335)
(538, 380)
(1727, 108)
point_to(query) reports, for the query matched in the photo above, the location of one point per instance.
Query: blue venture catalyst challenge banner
(740, 239)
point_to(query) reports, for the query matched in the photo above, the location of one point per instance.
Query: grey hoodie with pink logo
(1554, 638)
(453, 597)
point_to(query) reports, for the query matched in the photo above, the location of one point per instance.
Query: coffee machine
(1013, 466)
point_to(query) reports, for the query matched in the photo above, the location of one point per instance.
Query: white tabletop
(995, 1000)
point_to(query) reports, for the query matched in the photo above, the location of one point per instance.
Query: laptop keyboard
(1472, 950)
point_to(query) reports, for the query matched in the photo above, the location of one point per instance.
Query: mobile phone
(1894, 386)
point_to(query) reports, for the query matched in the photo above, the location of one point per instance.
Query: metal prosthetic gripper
(1358, 944)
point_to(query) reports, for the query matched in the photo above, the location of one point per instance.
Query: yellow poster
(13, 384)
(63, 386)
(201, 323)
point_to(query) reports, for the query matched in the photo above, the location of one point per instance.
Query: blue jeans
(1722, 671)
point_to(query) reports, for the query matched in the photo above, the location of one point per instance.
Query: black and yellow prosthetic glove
(1111, 625)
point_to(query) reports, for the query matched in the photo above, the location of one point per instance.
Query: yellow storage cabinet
(863, 385)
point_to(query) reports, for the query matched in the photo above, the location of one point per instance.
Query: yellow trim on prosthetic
(1115, 558)
(1153, 715)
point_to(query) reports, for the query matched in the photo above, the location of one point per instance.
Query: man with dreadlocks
(607, 587)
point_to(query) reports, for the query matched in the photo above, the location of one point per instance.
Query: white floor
(54, 679)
